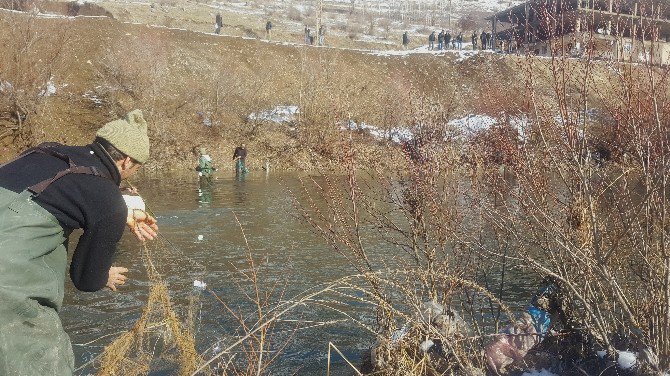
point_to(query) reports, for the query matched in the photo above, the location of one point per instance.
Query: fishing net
(157, 340)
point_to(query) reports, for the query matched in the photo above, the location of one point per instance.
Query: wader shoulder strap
(36, 149)
(44, 184)
(46, 148)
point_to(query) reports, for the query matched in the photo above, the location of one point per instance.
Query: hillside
(61, 78)
(100, 67)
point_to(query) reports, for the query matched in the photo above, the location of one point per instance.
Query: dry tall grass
(581, 197)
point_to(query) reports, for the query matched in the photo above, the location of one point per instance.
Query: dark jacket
(405, 39)
(87, 202)
(240, 152)
(431, 37)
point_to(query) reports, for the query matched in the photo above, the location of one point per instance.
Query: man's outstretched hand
(116, 277)
(142, 224)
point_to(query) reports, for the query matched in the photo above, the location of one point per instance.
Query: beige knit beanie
(129, 135)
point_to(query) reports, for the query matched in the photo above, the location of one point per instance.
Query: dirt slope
(102, 67)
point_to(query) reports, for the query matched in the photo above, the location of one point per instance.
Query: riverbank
(67, 76)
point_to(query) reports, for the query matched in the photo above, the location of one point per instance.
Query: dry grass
(133, 352)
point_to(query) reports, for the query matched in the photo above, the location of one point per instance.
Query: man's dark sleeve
(94, 255)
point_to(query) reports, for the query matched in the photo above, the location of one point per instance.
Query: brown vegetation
(579, 197)
(102, 68)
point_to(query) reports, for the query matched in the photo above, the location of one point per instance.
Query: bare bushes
(386, 24)
(25, 80)
(294, 14)
(422, 278)
(588, 202)
(594, 224)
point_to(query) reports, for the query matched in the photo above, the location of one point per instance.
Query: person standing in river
(45, 194)
(239, 157)
(205, 166)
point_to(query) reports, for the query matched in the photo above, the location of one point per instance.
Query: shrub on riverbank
(581, 197)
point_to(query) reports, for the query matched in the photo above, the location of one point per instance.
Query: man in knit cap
(45, 194)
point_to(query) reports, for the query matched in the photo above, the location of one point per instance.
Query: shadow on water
(198, 218)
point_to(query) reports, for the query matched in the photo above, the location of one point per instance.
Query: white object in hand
(134, 202)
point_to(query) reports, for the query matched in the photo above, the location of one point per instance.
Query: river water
(202, 240)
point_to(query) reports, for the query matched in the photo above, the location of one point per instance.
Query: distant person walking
(431, 41)
(483, 40)
(268, 30)
(440, 40)
(218, 23)
(307, 35)
(459, 40)
(405, 40)
(322, 35)
(474, 40)
(239, 157)
(447, 40)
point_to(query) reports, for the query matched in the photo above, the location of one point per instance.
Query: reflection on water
(205, 190)
(200, 220)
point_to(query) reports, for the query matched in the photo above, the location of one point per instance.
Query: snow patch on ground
(93, 98)
(279, 114)
(49, 90)
(472, 124)
(6, 86)
(625, 359)
(461, 55)
(397, 134)
(542, 372)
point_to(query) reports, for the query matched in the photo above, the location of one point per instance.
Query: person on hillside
(218, 23)
(205, 166)
(268, 30)
(431, 41)
(447, 40)
(322, 35)
(405, 40)
(239, 157)
(46, 193)
(482, 38)
(459, 40)
(307, 35)
(474, 40)
(440, 40)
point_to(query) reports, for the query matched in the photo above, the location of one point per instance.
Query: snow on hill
(488, 6)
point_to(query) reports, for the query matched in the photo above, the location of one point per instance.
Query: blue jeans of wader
(33, 260)
(240, 168)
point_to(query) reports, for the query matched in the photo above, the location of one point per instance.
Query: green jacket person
(205, 166)
(45, 194)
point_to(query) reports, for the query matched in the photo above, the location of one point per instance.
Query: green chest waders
(33, 260)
